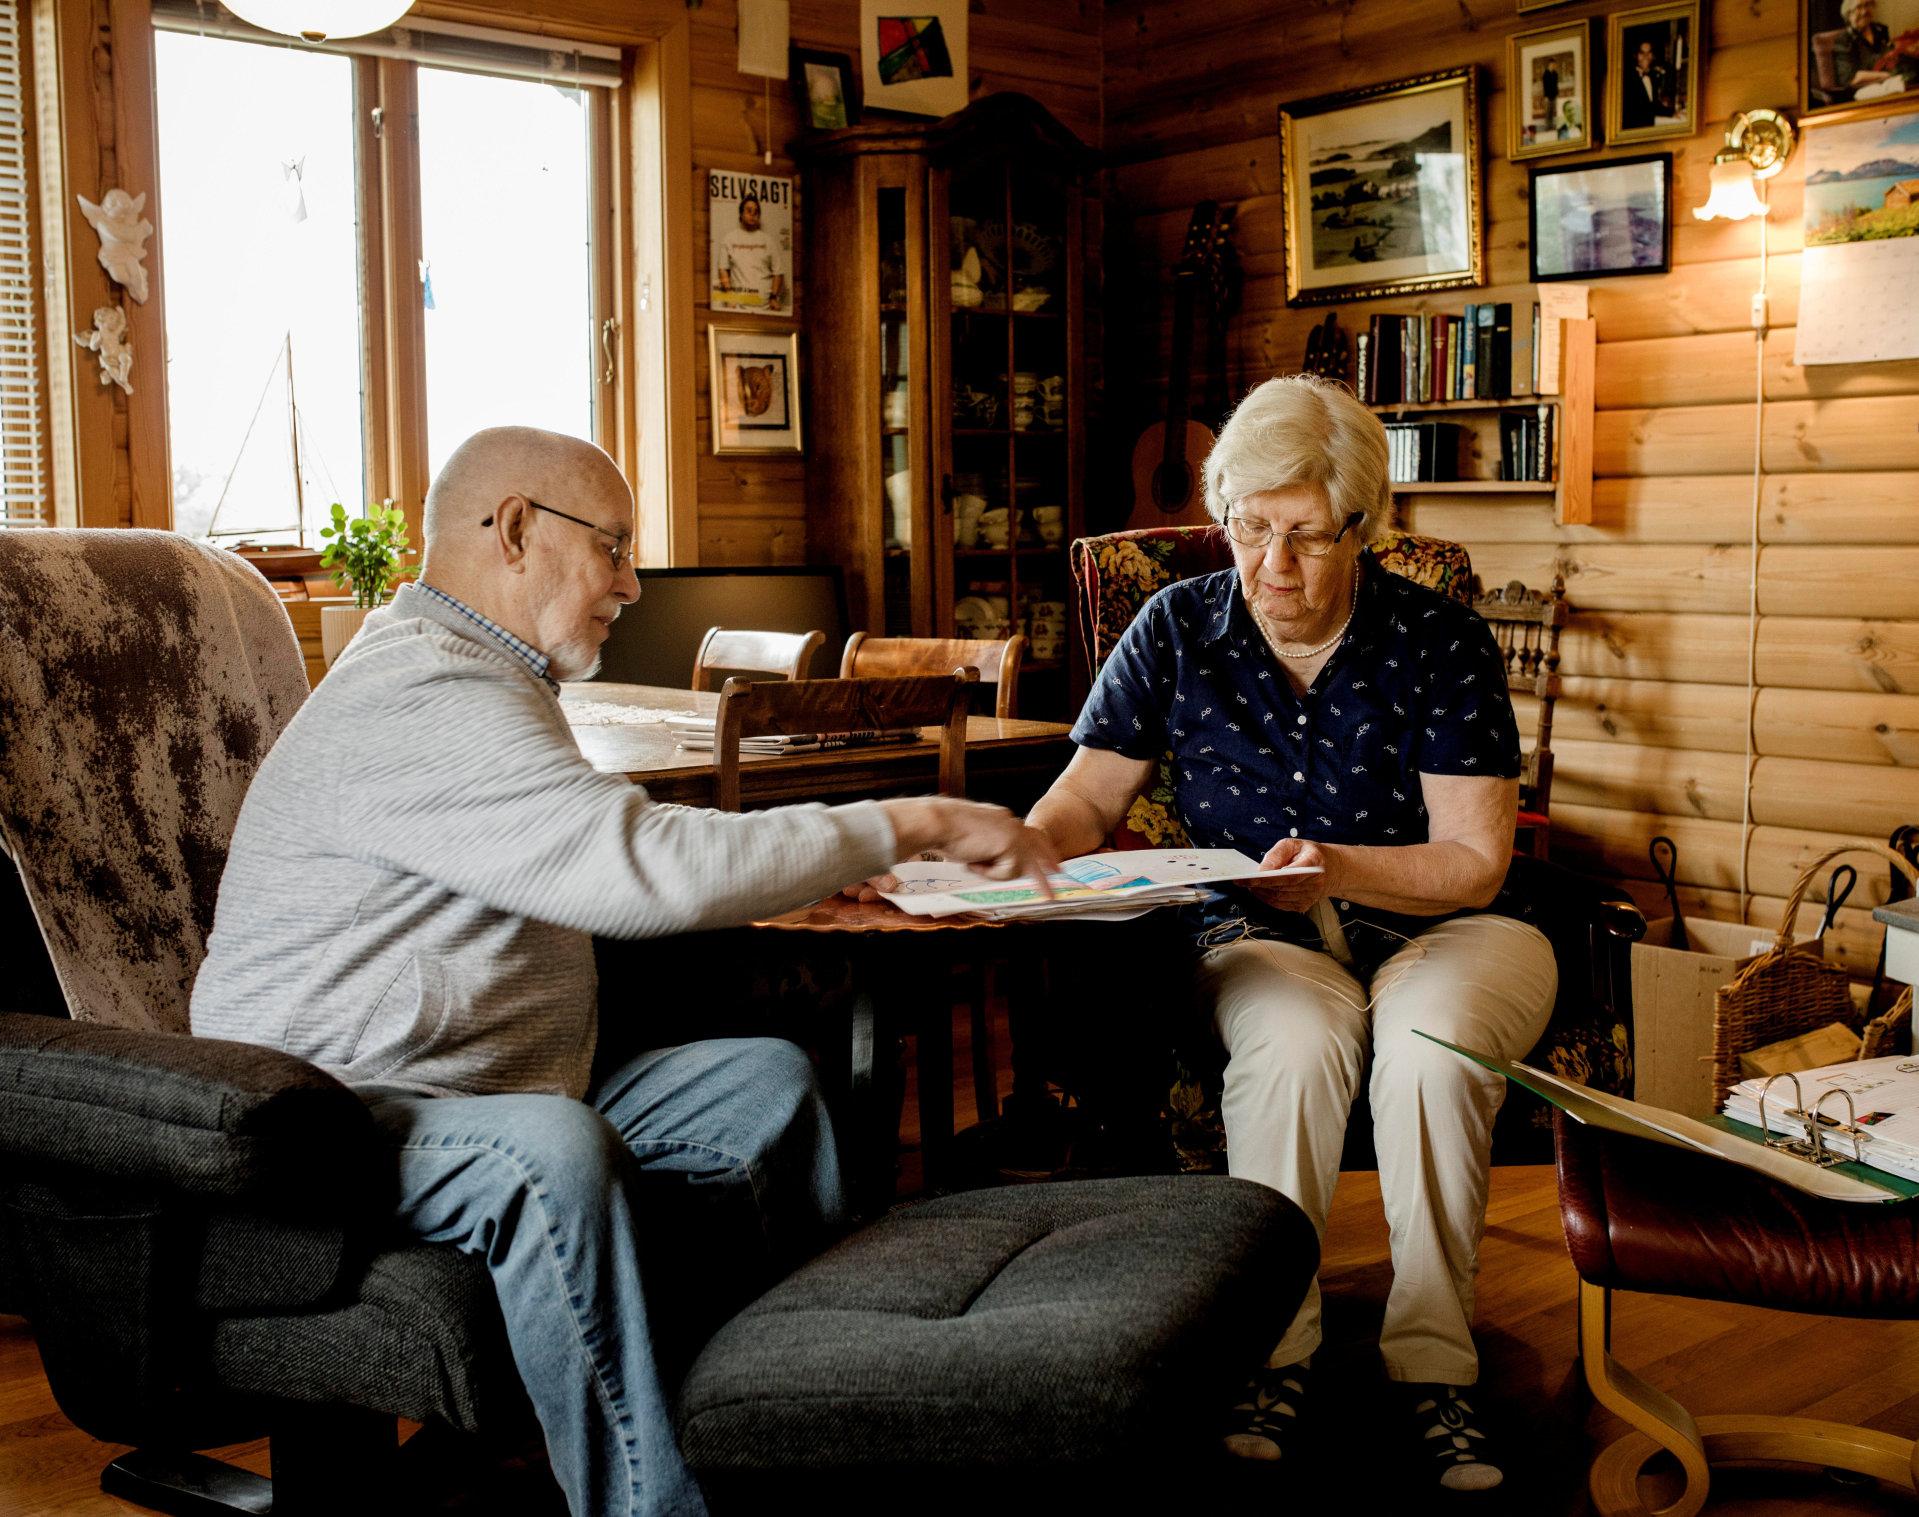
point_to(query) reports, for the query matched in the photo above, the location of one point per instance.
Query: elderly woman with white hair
(1323, 712)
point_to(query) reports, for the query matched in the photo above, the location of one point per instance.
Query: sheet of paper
(933, 888)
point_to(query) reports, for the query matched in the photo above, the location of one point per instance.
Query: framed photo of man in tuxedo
(1652, 74)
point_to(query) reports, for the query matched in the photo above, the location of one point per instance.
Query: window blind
(439, 44)
(23, 432)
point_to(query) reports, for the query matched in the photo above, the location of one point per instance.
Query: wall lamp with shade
(321, 20)
(1758, 143)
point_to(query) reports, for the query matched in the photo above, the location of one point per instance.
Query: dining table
(627, 730)
(903, 969)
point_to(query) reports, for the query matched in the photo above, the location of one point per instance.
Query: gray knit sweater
(423, 858)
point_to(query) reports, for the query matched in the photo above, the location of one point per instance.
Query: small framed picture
(1652, 72)
(1381, 189)
(913, 57)
(1858, 56)
(1598, 220)
(754, 379)
(1549, 91)
(827, 87)
(749, 243)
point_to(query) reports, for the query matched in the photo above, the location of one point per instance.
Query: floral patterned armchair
(1592, 926)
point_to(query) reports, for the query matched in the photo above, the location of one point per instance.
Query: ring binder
(1812, 1147)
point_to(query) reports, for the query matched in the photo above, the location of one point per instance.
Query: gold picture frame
(1661, 99)
(1350, 216)
(1824, 30)
(1549, 98)
(753, 380)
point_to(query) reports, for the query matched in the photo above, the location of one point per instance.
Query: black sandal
(1265, 1422)
(1456, 1453)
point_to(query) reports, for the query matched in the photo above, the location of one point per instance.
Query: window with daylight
(263, 297)
(292, 379)
(25, 497)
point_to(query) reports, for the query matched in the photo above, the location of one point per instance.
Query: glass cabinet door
(1007, 352)
(899, 495)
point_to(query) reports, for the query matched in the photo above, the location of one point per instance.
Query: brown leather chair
(1640, 1216)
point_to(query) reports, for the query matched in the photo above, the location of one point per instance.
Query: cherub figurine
(109, 339)
(123, 237)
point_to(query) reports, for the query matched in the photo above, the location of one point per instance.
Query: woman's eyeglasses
(1251, 532)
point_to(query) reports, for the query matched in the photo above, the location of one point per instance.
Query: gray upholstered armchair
(185, 1222)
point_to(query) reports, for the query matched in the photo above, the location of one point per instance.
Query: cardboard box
(1672, 1005)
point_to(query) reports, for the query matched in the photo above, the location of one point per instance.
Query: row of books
(1526, 444)
(1422, 359)
(1423, 450)
(1433, 451)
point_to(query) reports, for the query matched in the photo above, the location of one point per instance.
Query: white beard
(571, 661)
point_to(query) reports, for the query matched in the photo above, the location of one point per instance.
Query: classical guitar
(1168, 455)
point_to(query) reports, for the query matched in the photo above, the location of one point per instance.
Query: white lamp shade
(320, 20)
(1733, 196)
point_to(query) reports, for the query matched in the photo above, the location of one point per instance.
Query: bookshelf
(1562, 412)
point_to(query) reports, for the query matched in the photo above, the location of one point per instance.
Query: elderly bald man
(414, 886)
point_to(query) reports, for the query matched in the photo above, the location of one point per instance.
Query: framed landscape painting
(1381, 189)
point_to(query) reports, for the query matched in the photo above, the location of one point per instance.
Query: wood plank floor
(1713, 1358)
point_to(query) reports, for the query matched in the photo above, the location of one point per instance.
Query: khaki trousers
(1298, 1032)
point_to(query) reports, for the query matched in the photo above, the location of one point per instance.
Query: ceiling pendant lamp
(321, 20)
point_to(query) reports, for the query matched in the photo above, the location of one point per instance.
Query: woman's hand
(1293, 892)
(869, 890)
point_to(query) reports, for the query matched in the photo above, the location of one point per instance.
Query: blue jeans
(620, 1231)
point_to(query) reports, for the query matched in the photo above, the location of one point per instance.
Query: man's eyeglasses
(622, 542)
(1251, 532)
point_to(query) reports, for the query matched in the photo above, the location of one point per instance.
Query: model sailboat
(254, 498)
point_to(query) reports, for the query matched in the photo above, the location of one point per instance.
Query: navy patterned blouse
(1417, 686)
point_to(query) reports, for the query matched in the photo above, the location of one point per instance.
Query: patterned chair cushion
(1116, 575)
(143, 677)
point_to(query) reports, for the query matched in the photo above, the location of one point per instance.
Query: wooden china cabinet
(941, 289)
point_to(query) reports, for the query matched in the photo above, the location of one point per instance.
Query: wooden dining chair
(735, 650)
(890, 949)
(1526, 624)
(997, 659)
(792, 708)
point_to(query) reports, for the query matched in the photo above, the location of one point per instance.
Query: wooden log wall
(1650, 734)
(753, 510)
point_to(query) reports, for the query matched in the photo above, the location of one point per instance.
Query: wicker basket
(1787, 991)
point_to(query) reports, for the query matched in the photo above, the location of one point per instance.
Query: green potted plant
(364, 555)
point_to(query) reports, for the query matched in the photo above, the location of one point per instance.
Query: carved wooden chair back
(1526, 624)
(824, 707)
(998, 661)
(737, 650)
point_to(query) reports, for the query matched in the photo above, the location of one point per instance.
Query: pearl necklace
(1351, 609)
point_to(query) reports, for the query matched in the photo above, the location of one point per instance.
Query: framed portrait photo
(1381, 189)
(1858, 57)
(754, 389)
(1549, 91)
(913, 57)
(1652, 72)
(1599, 220)
(826, 87)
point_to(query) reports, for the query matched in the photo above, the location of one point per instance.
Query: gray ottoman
(1001, 1343)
